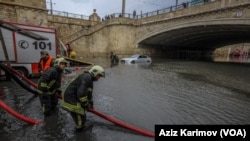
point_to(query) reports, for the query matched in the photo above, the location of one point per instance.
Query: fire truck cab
(20, 46)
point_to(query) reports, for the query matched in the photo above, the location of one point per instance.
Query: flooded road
(163, 92)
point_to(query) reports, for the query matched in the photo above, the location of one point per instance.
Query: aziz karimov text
(186, 132)
(201, 131)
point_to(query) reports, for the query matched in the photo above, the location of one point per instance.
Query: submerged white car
(137, 58)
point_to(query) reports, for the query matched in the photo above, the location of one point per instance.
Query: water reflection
(233, 59)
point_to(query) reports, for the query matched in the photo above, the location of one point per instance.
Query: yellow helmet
(72, 53)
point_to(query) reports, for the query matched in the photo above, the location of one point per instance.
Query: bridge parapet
(216, 6)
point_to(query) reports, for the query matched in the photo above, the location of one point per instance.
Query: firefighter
(114, 59)
(49, 84)
(45, 62)
(77, 97)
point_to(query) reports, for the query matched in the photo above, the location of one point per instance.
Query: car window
(134, 56)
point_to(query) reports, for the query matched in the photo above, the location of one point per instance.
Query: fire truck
(20, 46)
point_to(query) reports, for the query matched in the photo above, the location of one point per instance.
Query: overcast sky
(106, 7)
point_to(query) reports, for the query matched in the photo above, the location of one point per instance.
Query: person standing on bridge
(49, 85)
(77, 97)
(45, 62)
(134, 14)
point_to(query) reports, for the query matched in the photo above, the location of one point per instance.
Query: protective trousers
(48, 102)
(79, 120)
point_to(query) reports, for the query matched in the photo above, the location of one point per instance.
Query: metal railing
(160, 11)
(67, 14)
(138, 16)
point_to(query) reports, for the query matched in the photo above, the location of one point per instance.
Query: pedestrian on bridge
(134, 14)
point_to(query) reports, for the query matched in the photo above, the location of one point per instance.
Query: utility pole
(176, 1)
(51, 7)
(51, 11)
(123, 7)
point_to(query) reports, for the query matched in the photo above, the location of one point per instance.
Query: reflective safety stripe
(83, 99)
(43, 108)
(43, 85)
(89, 89)
(53, 92)
(41, 92)
(79, 121)
(51, 83)
(90, 98)
(46, 86)
(72, 108)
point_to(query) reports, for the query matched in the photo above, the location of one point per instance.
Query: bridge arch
(202, 35)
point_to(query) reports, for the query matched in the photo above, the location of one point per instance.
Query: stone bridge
(204, 28)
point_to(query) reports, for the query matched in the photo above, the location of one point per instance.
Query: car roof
(135, 55)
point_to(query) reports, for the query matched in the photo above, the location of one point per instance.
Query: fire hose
(122, 124)
(17, 115)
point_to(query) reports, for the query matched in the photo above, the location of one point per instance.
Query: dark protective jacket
(50, 81)
(78, 93)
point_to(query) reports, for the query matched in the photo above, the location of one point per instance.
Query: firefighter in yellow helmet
(49, 85)
(77, 97)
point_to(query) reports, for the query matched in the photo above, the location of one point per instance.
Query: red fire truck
(20, 46)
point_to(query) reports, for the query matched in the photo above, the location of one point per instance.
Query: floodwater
(163, 92)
